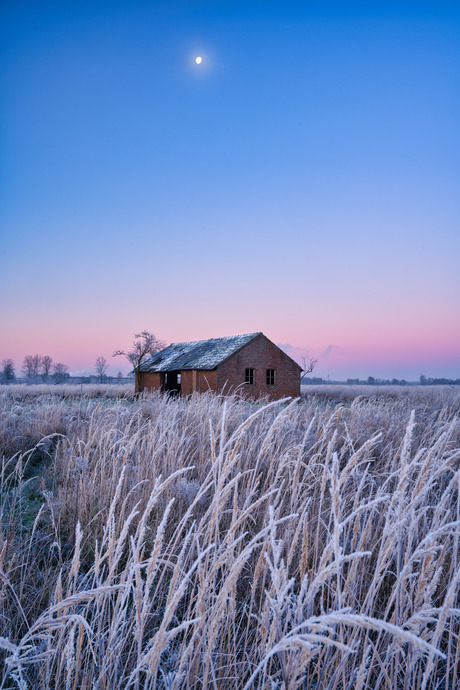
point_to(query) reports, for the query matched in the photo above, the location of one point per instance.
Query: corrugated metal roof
(202, 354)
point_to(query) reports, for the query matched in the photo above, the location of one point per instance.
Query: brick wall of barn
(150, 381)
(260, 354)
(200, 381)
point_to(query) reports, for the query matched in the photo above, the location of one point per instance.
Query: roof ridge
(224, 337)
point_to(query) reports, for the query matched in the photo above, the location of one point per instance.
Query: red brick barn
(250, 363)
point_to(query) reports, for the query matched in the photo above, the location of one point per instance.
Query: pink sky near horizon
(358, 351)
(387, 327)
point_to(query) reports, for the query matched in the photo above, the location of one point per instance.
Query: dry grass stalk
(162, 543)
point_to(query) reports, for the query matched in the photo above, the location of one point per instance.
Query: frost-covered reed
(214, 542)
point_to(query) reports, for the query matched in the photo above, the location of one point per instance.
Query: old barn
(250, 363)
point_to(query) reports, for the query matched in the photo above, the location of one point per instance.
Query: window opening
(249, 376)
(270, 377)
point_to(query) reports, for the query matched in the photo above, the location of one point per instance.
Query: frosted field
(217, 543)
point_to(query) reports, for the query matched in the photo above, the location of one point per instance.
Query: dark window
(249, 376)
(270, 377)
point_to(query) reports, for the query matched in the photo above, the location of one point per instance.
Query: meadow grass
(156, 542)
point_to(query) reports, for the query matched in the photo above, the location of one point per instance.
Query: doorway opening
(172, 382)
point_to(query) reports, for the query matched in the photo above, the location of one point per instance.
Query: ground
(157, 542)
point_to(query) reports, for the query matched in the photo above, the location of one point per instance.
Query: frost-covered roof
(202, 354)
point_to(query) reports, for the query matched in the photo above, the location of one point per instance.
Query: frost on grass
(211, 542)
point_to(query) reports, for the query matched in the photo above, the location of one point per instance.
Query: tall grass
(214, 542)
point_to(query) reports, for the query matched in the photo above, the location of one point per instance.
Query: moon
(198, 60)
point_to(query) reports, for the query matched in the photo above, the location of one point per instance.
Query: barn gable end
(261, 355)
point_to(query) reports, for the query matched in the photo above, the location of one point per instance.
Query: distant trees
(35, 367)
(31, 367)
(45, 367)
(41, 368)
(424, 381)
(60, 372)
(144, 344)
(7, 373)
(101, 367)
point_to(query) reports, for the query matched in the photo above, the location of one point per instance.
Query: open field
(214, 542)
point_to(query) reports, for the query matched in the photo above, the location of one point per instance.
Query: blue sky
(303, 180)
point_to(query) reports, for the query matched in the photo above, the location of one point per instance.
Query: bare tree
(101, 368)
(31, 367)
(27, 366)
(8, 375)
(45, 368)
(61, 372)
(145, 344)
(308, 364)
(36, 365)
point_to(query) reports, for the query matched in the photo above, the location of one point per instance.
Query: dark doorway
(172, 382)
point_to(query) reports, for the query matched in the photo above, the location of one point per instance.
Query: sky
(303, 180)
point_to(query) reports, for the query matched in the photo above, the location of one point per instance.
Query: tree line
(424, 381)
(35, 369)
(42, 369)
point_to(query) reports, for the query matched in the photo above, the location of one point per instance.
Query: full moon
(198, 60)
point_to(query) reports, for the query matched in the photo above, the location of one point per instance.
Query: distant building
(250, 363)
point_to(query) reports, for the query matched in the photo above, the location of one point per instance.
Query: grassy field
(220, 543)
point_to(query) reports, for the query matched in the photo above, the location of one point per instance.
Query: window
(249, 376)
(178, 379)
(270, 377)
